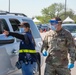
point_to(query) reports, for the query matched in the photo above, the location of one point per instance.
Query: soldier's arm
(71, 48)
(45, 43)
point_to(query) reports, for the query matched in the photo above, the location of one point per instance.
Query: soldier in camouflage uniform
(59, 42)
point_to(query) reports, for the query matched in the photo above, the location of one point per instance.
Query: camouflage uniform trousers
(56, 70)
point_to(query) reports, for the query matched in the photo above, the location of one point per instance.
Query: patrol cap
(24, 24)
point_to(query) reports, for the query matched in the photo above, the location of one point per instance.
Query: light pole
(65, 7)
(9, 6)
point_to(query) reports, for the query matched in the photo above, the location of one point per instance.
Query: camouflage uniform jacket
(59, 44)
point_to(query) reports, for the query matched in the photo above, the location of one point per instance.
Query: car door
(8, 50)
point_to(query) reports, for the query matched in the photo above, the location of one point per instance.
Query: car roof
(13, 16)
(68, 24)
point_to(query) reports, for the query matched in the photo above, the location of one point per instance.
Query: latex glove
(45, 53)
(70, 65)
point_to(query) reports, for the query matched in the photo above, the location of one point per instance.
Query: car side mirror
(6, 40)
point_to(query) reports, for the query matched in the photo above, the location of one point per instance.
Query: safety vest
(27, 47)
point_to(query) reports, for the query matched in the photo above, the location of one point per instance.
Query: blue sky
(33, 7)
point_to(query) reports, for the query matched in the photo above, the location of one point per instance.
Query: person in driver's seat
(27, 52)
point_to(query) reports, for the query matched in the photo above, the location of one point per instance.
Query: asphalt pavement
(73, 71)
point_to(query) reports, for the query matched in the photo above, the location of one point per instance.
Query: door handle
(14, 51)
(39, 44)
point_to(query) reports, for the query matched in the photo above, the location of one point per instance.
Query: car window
(34, 30)
(3, 26)
(14, 23)
(71, 28)
(45, 27)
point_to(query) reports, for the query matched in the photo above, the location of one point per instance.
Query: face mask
(22, 30)
(53, 28)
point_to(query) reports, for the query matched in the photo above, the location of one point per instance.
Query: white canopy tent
(68, 19)
(36, 20)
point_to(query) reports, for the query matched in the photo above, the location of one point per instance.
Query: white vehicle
(9, 46)
(72, 29)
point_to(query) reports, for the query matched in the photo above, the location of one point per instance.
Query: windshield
(71, 28)
(34, 30)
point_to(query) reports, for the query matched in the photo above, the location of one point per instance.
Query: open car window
(3, 38)
(14, 23)
(3, 26)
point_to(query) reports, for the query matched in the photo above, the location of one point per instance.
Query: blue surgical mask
(22, 30)
(53, 27)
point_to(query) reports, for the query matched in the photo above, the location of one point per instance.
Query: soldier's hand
(70, 65)
(44, 53)
(5, 32)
